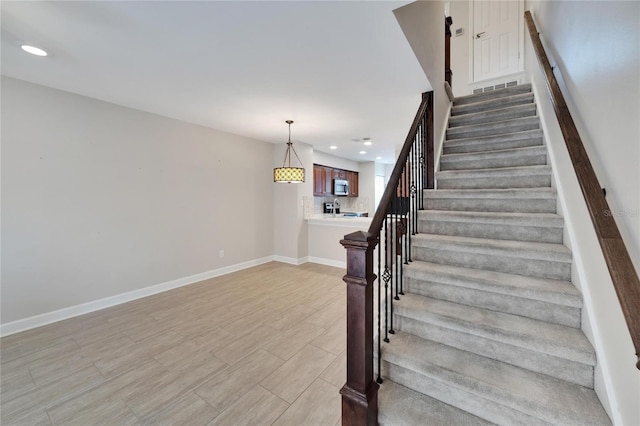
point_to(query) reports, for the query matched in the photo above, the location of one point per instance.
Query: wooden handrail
(360, 392)
(623, 274)
(396, 174)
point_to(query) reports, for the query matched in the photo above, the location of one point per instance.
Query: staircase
(489, 328)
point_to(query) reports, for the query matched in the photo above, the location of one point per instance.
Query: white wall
(290, 232)
(367, 184)
(99, 199)
(460, 47)
(601, 85)
(422, 22)
(329, 160)
(325, 236)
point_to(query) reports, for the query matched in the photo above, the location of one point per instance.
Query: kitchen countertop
(340, 220)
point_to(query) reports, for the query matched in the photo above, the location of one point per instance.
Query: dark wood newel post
(360, 392)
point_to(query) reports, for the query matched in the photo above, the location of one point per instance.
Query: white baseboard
(85, 308)
(291, 260)
(328, 262)
(440, 146)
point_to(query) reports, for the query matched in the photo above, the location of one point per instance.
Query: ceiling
(341, 70)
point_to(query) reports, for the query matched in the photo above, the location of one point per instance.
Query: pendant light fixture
(286, 173)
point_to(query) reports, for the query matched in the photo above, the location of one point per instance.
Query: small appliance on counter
(328, 208)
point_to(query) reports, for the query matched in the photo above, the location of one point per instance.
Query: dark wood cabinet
(352, 178)
(322, 181)
(323, 177)
(339, 174)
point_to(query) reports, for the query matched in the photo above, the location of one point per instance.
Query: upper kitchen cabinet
(339, 174)
(352, 178)
(323, 177)
(322, 180)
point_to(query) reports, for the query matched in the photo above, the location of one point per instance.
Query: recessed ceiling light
(363, 152)
(33, 50)
(333, 147)
(378, 158)
(367, 143)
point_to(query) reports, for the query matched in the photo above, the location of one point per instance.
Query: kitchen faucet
(336, 204)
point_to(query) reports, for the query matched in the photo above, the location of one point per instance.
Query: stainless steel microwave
(340, 187)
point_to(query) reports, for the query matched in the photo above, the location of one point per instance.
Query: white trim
(443, 136)
(328, 262)
(291, 260)
(85, 308)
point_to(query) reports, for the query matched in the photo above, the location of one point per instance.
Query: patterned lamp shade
(288, 174)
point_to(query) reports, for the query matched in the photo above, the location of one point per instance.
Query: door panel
(496, 38)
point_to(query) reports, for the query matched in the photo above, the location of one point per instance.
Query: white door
(496, 38)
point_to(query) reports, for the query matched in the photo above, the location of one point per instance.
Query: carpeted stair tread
(493, 128)
(496, 218)
(488, 105)
(494, 142)
(539, 289)
(553, 301)
(504, 193)
(496, 178)
(495, 94)
(531, 250)
(510, 157)
(542, 260)
(401, 406)
(476, 379)
(499, 114)
(540, 227)
(552, 339)
(532, 200)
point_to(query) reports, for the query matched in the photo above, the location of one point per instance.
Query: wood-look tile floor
(257, 347)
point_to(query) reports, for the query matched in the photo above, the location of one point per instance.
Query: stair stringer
(616, 380)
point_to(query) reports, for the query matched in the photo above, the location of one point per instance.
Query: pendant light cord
(287, 154)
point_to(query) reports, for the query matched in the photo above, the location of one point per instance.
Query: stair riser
(493, 129)
(488, 96)
(470, 402)
(574, 372)
(492, 116)
(452, 255)
(536, 159)
(516, 232)
(535, 309)
(482, 146)
(515, 205)
(493, 182)
(492, 105)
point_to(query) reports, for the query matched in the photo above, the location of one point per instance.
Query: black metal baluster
(417, 148)
(414, 187)
(386, 277)
(391, 259)
(412, 206)
(423, 162)
(406, 212)
(395, 241)
(379, 379)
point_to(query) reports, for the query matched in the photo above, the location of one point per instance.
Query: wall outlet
(221, 254)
